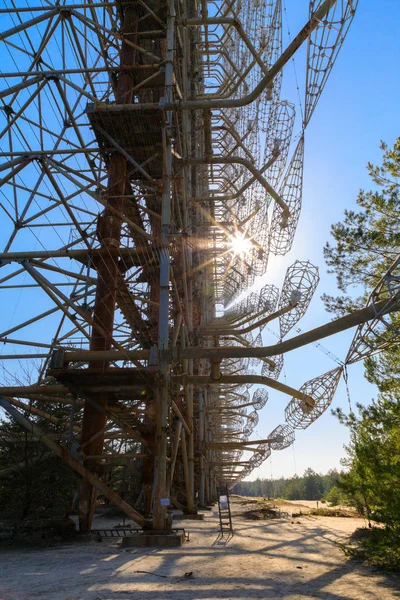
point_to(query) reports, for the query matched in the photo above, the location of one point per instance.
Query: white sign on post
(164, 501)
(223, 502)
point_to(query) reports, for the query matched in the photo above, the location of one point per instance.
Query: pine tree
(366, 243)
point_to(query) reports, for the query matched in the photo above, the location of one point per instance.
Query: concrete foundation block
(151, 540)
(197, 517)
(86, 537)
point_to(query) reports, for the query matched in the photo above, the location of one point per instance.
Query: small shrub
(332, 512)
(377, 547)
(333, 496)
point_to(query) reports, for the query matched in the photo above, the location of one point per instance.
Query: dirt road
(293, 559)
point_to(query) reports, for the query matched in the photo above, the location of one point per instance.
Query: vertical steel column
(201, 444)
(159, 515)
(109, 235)
(188, 464)
(187, 139)
(207, 451)
(185, 463)
(191, 435)
(149, 461)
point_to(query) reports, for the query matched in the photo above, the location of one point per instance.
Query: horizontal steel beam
(223, 160)
(239, 444)
(27, 391)
(73, 254)
(342, 324)
(59, 8)
(242, 380)
(210, 104)
(216, 354)
(55, 72)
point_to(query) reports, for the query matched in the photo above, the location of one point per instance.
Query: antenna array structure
(148, 170)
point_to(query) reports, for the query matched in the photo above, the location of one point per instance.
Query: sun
(240, 244)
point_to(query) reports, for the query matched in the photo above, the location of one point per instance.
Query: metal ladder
(224, 510)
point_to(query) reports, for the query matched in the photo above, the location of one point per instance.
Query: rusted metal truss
(145, 178)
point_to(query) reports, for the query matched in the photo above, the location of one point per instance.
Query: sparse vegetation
(377, 547)
(366, 243)
(335, 496)
(34, 483)
(311, 486)
(332, 512)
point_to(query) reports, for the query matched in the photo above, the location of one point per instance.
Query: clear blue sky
(359, 107)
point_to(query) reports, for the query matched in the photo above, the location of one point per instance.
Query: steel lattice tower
(149, 167)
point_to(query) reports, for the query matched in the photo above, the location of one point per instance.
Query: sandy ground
(293, 559)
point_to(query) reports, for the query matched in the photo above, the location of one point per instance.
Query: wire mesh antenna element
(383, 330)
(294, 63)
(298, 288)
(262, 453)
(346, 381)
(324, 45)
(282, 437)
(252, 422)
(268, 298)
(260, 398)
(274, 370)
(283, 229)
(299, 414)
(277, 144)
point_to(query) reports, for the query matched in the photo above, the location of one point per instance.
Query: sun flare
(240, 244)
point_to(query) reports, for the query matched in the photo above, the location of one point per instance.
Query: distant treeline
(311, 486)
